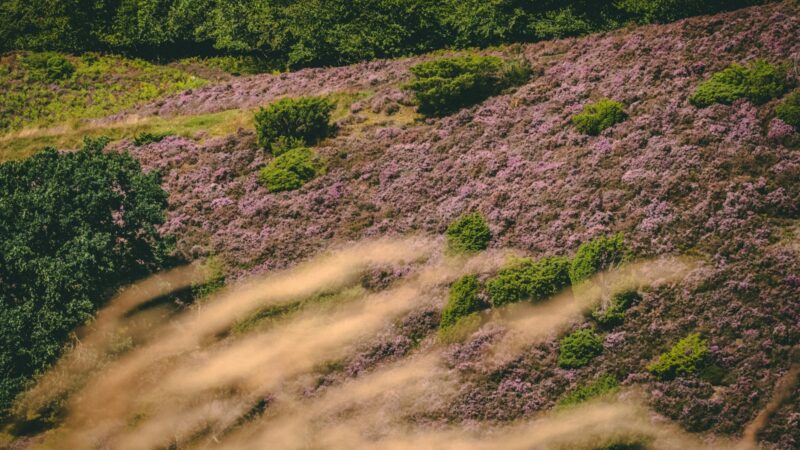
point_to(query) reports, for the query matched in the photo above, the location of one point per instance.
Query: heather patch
(613, 314)
(603, 385)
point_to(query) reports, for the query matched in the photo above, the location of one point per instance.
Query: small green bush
(48, 66)
(598, 116)
(468, 233)
(444, 86)
(614, 313)
(292, 122)
(461, 329)
(758, 82)
(463, 301)
(578, 348)
(605, 384)
(529, 280)
(290, 170)
(597, 255)
(148, 138)
(789, 110)
(683, 358)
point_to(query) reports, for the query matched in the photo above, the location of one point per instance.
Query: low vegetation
(148, 138)
(602, 386)
(73, 227)
(597, 255)
(529, 279)
(579, 348)
(599, 116)
(42, 89)
(293, 122)
(291, 170)
(684, 358)
(463, 300)
(443, 86)
(613, 314)
(758, 82)
(469, 233)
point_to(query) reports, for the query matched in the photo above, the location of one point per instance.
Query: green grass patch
(40, 89)
(604, 385)
(599, 116)
(684, 358)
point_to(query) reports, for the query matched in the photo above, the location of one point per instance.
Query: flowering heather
(720, 182)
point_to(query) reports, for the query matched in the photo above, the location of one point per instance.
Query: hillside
(719, 184)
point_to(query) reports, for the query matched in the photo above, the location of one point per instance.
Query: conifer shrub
(579, 348)
(527, 279)
(614, 314)
(446, 85)
(789, 110)
(597, 255)
(598, 116)
(293, 122)
(148, 138)
(48, 66)
(469, 233)
(463, 300)
(758, 82)
(291, 170)
(684, 358)
(604, 385)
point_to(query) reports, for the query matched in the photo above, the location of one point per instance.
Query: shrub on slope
(462, 301)
(468, 233)
(684, 358)
(73, 227)
(789, 110)
(291, 170)
(758, 82)
(293, 122)
(529, 280)
(597, 255)
(579, 348)
(598, 116)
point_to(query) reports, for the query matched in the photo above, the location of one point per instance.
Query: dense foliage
(597, 255)
(148, 138)
(598, 116)
(603, 385)
(73, 227)
(789, 110)
(527, 279)
(683, 358)
(291, 170)
(317, 32)
(463, 300)
(579, 348)
(468, 233)
(758, 82)
(446, 85)
(293, 122)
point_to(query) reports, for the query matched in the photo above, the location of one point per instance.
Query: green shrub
(304, 120)
(463, 301)
(577, 349)
(74, 226)
(605, 384)
(48, 66)
(290, 170)
(789, 110)
(529, 280)
(614, 314)
(683, 358)
(597, 255)
(148, 138)
(444, 86)
(598, 116)
(758, 82)
(461, 329)
(468, 233)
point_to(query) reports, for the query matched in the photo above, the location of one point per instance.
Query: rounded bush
(598, 116)
(462, 302)
(293, 122)
(683, 358)
(758, 82)
(596, 256)
(290, 170)
(789, 110)
(529, 280)
(444, 86)
(578, 348)
(614, 314)
(469, 233)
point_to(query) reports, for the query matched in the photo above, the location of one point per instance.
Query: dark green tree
(73, 228)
